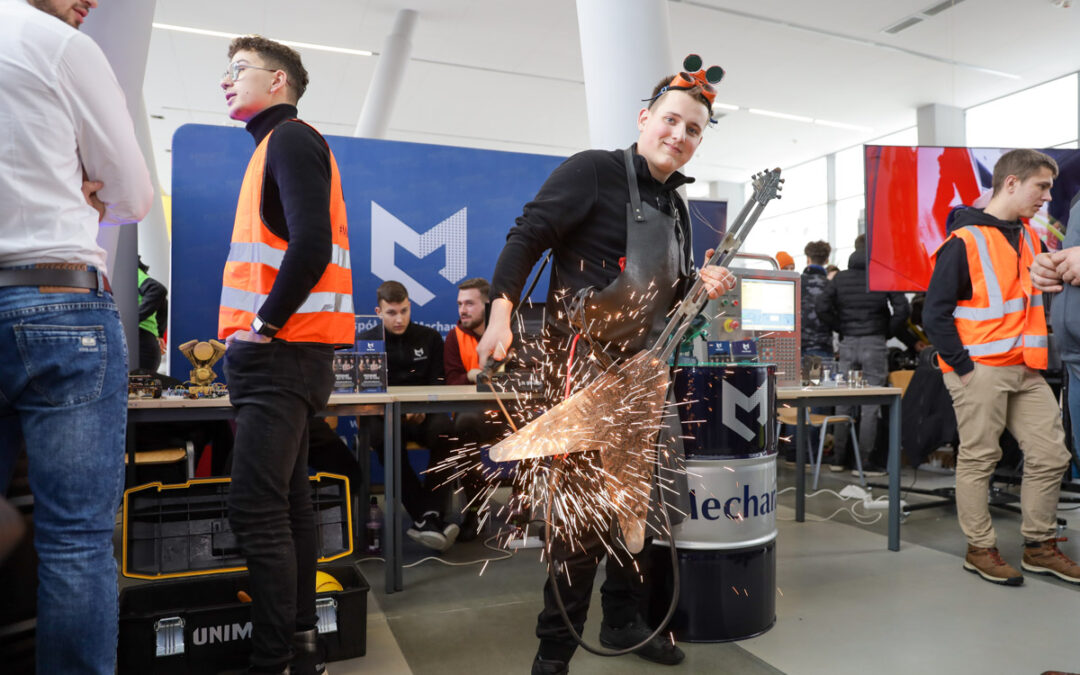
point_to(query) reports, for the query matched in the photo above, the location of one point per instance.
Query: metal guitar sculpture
(621, 411)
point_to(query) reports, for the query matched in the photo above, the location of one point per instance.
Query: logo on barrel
(732, 399)
(746, 505)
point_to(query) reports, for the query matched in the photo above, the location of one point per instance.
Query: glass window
(788, 232)
(1040, 117)
(849, 214)
(804, 185)
(849, 172)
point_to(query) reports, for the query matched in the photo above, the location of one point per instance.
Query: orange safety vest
(1003, 324)
(327, 315)
(467, 348)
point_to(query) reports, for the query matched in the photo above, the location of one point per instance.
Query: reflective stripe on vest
(995, 330)
(264, 254)
(255, 256)
(467, 349)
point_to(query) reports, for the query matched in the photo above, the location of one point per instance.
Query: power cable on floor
(858, 518)
(487, 544)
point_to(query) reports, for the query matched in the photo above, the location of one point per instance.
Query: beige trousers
(1017, 398)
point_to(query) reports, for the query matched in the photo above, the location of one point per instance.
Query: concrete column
(625, 50)
(122, 30)
(389, 72)
(830, 202)
(941, 125)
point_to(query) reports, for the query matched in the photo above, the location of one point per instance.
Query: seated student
(460, 361)
(462, 367)
(414, 357)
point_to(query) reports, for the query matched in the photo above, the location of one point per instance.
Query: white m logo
(387, 230)
(732, 398)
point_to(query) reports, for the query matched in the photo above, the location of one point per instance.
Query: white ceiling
(507, 74)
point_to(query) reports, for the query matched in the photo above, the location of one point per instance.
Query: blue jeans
(63, 389)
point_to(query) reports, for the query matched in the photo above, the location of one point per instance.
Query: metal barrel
(726, 547)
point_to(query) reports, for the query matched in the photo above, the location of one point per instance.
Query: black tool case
(191, 616)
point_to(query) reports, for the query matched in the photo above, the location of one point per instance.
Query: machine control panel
(763, 306)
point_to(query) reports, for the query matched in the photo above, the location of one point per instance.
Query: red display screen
(910, 192)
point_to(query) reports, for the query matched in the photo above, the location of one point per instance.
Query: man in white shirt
(69, 161)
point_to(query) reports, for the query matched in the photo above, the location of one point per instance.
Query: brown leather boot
(1044, 557)
(988, 564)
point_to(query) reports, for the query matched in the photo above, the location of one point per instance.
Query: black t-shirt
(413, 358)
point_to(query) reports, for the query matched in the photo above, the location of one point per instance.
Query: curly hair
(818, 252)
(276, 55)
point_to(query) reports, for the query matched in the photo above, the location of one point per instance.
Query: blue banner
(429, 216)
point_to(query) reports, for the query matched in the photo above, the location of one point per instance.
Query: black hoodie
(848, 308)
(951, 282)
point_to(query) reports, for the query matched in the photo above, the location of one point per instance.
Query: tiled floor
(845, 605)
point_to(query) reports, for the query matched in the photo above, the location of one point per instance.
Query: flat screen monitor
(768, 304)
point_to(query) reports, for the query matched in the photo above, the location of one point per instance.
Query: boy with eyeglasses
(286, 303)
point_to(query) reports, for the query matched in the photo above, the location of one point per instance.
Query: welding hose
(603, 651)
(556, 467)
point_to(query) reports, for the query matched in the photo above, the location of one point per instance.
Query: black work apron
(630, 313)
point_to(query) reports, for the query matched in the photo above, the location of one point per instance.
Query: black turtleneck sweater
(580, 213)
(295, 206)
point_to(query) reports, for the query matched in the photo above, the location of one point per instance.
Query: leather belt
(54, 277)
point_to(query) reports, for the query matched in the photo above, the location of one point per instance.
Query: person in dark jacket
(816, 336)
(414, 357)
(153, 318)
(865, 320)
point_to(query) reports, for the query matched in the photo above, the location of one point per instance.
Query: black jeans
(276, 388)
(622, 593)
(434, 434)
(149, 351)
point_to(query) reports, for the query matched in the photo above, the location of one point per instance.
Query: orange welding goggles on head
(696, 76)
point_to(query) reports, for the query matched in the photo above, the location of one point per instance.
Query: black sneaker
(309, 653)
(432, 532)
(549, 667)
(658, 650)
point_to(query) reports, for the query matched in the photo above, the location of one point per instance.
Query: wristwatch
(262, 327)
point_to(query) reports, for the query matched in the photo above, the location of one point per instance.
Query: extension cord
(880, 504)
(854, 492)
(527, 542)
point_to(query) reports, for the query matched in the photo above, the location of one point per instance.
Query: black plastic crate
(199, 625)
(183, 530)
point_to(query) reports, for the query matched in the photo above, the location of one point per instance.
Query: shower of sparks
(591, 457)
(594, 452)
